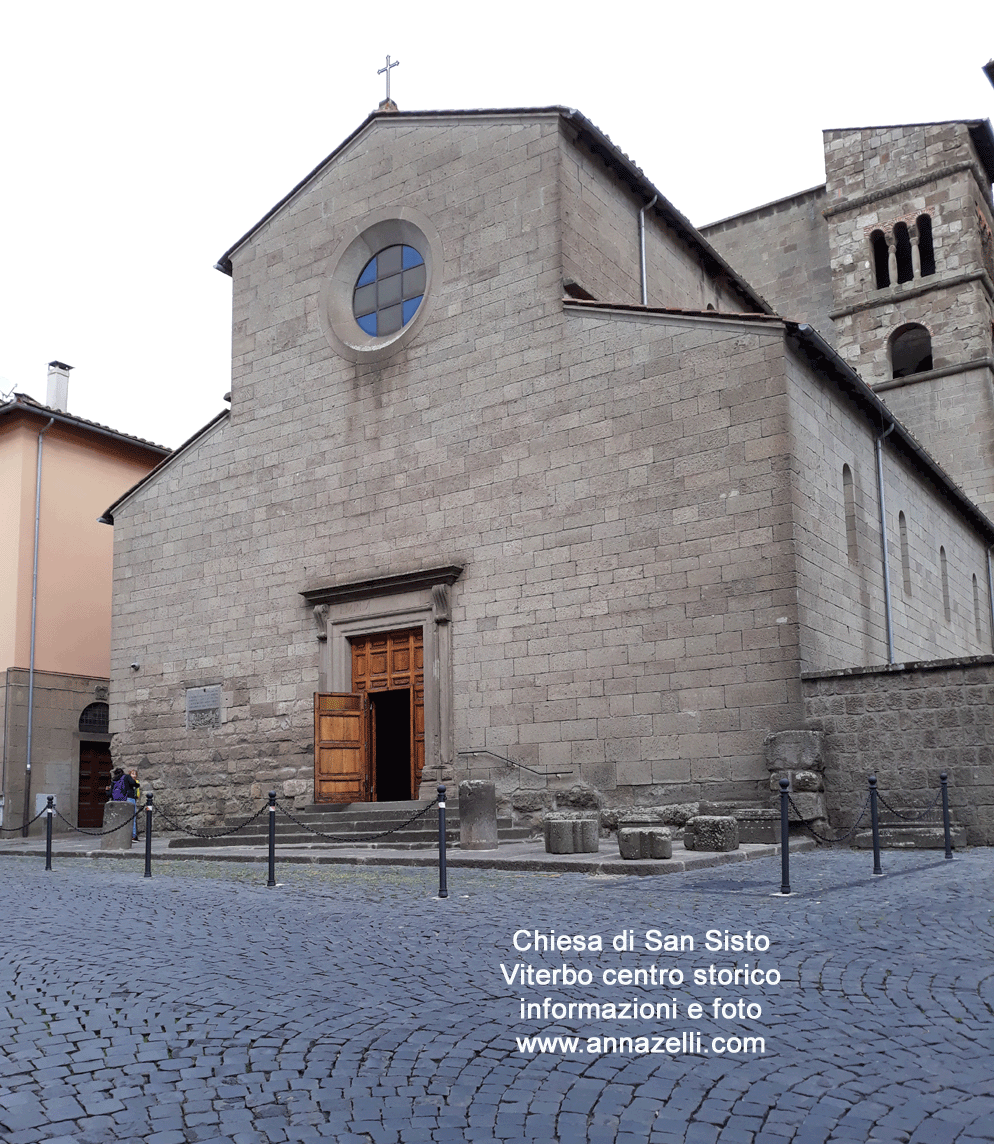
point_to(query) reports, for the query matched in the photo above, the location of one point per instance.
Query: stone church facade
(521, 477)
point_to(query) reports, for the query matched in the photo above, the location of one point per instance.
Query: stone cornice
(934, 374)
(909, 185)
(382, 585)
(902, 293)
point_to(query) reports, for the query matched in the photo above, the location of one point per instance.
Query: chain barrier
(821, 837)
(911, 817)
(94, 833)
(356, 837)
(24, 825)
(207, 833)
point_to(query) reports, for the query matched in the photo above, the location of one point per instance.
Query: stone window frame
(901, 334)
(903, 251)
(362, 241)
(421, 599)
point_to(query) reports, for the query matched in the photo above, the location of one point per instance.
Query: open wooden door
(341, 747)
(392, 662)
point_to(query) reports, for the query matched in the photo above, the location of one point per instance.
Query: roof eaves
(602, 146)
(634, 308)
(813, 346)
(24, 403)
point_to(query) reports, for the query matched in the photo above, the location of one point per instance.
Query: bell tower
(910, 225)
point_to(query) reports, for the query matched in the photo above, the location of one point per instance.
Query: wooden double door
(369, 744)
(94, 783)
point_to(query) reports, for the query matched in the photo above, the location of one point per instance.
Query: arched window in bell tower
(879, 245)
(911, 351)
(902, 243)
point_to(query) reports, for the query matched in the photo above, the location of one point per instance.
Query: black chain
(910, 817)
(356, 837)
(96, 833)
(821, 837)
(207, 833)
(25, 825)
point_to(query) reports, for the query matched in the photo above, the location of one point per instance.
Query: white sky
(140, 141)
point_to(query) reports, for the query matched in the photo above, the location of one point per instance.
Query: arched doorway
(94, 765)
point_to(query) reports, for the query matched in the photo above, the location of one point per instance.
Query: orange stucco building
(56, 570)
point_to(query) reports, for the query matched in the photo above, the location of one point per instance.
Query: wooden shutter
(341, 747)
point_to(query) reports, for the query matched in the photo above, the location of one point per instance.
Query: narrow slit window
(976, 609)
(849, 494)
(944, 569)
(902, 526)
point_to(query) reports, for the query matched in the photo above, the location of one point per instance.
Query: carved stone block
(712, 832)
(644, 842)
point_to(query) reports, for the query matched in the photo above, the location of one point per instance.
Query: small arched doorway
(94, 765)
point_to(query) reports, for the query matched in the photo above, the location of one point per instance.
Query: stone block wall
(600, 237)
(841, 594)
(907, 724)
(59, 700)
(782, 250)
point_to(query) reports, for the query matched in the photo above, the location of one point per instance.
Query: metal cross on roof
(386, 71)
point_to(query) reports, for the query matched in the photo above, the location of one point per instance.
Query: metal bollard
(946, 828)
(784, 836)
(48, 832)
(148, 836)
(443, 891)
(272, 839)
(875, 822)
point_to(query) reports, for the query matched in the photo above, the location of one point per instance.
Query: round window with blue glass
(389, 290)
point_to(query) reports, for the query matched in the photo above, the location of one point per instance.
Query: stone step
(908, 836)
(346, 821)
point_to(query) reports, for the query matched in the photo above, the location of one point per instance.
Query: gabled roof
(108, 516)
(593, 139)
(24, 404)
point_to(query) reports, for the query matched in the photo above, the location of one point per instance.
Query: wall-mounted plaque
(203, 708)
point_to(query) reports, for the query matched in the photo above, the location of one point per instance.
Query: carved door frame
(421, 599)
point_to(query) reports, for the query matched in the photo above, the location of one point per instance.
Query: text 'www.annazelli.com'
(690, 1042)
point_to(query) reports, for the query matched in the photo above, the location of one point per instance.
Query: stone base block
(758, 825)
(645, 842)
(114, 814)
(477, 815)
(809, 807)
(795, 751)
(572, 832)
(712, 832)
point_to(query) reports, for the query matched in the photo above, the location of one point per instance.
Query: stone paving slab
(351, 1004)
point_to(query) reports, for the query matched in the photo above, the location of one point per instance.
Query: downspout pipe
(642, 277)
(34, 629)
(888, 613)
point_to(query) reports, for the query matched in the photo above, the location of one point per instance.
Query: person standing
(124, 788)
(133, 775)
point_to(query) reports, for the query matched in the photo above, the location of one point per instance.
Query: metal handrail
(515, 763)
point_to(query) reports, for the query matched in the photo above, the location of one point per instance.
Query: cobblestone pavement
(351, 1004)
